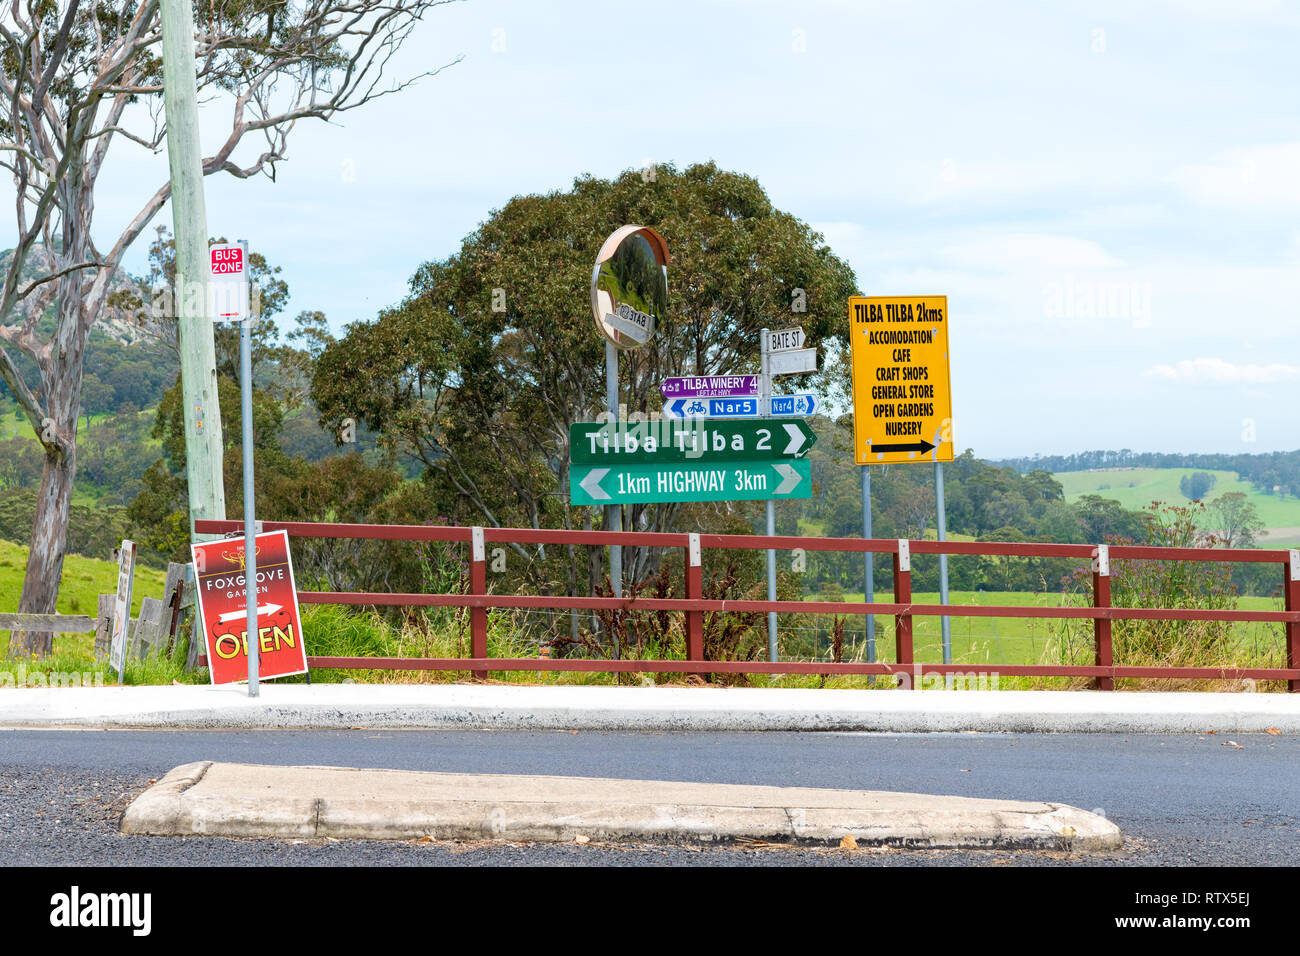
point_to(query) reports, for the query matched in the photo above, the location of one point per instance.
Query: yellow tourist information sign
(902, 397)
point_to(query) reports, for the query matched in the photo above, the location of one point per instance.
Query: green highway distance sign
(623, 483)
(699, 441)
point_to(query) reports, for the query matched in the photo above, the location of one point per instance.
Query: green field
(84, 579)
(11, 424)
(16, 425)
(1004, 640)
(1137, 487)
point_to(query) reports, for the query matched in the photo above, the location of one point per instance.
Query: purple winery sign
(709, 386)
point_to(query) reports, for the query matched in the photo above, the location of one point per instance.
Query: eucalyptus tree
(478, 374)
(79, 77)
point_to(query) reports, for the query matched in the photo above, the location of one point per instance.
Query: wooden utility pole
(203, 444)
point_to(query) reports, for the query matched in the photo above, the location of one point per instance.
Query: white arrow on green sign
(730, 481)
(691, 440)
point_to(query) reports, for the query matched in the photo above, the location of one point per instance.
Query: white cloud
(1009, 252)
(1213, 371)
(1225, 9)
(841, 234)
(1249, 176)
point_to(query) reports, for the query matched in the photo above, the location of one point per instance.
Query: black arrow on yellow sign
(922, 446)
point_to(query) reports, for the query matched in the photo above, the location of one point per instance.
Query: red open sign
(223, 608)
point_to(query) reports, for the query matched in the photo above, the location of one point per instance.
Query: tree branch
(18, 388)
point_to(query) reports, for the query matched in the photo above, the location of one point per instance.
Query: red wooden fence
(694, 606)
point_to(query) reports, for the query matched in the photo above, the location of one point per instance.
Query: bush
(93, 532)
(1202, 585)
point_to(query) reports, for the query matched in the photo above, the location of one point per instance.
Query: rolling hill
(1138, 487)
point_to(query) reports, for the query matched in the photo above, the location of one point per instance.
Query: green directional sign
(622, 484)
(702, 441)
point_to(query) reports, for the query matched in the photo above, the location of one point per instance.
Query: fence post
(903, 595)
(189, 599)
(104, 625)
(694, 591)
(147, 635)
(1291, 592)
(1100, 626)
(173, 594)
(478, 585)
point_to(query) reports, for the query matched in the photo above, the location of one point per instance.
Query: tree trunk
(48, 547)
(61, 375)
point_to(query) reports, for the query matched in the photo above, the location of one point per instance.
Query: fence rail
(56, 623)
(694, 606)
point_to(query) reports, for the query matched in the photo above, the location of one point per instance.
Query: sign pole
(943, 560)
(869, 592)
(250, 523)
(765, 410)
(629, 289)
(613, 513)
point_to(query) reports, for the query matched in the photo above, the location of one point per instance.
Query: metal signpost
(629, 288)
(703, 449)
(869, 594)
(782, 353)
(902, 402)
(228, 294)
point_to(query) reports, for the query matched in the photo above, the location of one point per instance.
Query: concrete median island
(244, 800)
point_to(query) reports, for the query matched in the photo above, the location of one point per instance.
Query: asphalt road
(1181, 800)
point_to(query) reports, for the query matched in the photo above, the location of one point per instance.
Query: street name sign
(637, 326)
(785, 340)
(792, 362)
(709, 386)
(711, 408)
(223, 608)
(902, 396)
(669, 441)
(788, 406)
(732, 481)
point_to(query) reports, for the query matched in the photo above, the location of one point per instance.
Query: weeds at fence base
(1165, 643)
(74, 658)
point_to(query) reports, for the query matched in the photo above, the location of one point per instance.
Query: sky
(1107, 193)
